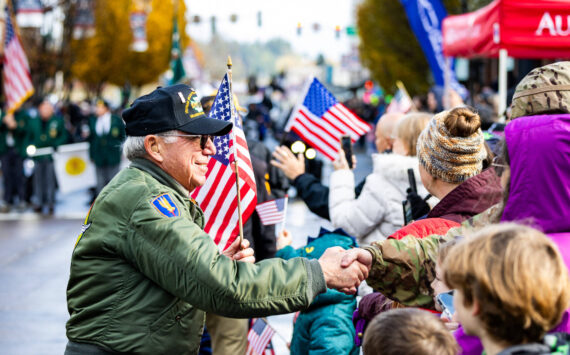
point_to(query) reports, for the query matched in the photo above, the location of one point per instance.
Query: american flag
(272, 212)
(259, 335)
(218, 196)
(401, 102)
(321, 120)
(17, 81)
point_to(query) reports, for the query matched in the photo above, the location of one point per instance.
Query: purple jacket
(539, 152)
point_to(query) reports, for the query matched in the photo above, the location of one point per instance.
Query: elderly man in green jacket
(143, 271)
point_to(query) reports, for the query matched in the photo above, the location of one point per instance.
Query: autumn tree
(389, 47)
(107, 57)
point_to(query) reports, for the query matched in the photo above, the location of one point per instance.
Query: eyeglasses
(203, 138)
(499, 165)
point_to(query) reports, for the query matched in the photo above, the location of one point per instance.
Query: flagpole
(401, 86)
(229, 64)
(284, 213)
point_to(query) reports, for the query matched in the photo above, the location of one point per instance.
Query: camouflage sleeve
(403, 269)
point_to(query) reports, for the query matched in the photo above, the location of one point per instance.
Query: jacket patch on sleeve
(166, 206)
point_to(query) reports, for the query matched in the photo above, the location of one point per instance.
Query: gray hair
(133, 147)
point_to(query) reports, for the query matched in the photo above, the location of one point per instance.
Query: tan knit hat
(543, 90)
(447, 157)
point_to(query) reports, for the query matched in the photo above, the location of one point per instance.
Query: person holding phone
(309, 187)
(377, 212)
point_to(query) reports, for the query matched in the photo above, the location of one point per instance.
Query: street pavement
(35, 254)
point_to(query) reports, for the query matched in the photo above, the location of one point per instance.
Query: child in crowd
(326, 326)
(511, 287)
(408, 331)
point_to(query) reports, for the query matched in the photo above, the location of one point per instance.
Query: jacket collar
(472, 197)
(160, 175)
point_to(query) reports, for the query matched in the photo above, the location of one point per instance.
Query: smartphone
(346, 144)
(407, 207)
(412, 181)
(445, 300)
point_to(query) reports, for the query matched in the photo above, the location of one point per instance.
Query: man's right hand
(285, 160)
(345, 279)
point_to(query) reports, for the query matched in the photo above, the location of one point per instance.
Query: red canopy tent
(519, 28)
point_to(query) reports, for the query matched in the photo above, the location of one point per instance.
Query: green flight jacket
(403, 270)
(141, 281)
(52, 134)
(19, 134)
(106, 150)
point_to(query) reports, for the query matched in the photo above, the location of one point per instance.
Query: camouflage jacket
(403, 269)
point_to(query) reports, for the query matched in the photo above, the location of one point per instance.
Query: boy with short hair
(511, 287)
(408, 331)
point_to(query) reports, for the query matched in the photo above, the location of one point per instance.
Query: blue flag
(425, 17)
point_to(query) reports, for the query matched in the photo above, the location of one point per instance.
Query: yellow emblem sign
(75, 166)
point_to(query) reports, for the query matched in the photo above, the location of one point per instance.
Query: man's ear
(153, 147)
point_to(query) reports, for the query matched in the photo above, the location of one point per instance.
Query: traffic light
(233, 18)
(299, 28)
(337, 31)
(196, 19)
(259, 19)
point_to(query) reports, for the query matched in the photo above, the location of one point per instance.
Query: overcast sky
(279, 19)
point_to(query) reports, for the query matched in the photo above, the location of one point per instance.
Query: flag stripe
(301, 132)
(341, 121)
(318, 132)
(350, 120)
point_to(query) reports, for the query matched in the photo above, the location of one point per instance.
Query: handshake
(344, 270)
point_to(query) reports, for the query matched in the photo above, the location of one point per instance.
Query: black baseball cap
(175, 107)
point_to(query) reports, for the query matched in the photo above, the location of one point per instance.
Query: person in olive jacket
(107, 133)
(47, 130)
(12, 154)
(143, 271)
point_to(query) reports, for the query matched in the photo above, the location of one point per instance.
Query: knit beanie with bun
(451, 147)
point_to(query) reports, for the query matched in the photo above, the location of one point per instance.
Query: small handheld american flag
(401, 102)
(218, 197)
(258, 337)
(272, 212)
(321, 120)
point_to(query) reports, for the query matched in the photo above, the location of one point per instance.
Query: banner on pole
(73, 168)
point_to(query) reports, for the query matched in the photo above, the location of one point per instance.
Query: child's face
(465, 315)
(438, 285)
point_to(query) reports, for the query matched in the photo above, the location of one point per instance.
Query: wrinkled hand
(341, 163)
(284, 238)
(363, 256)
(243, 253)
(345, 279)
(285, 160)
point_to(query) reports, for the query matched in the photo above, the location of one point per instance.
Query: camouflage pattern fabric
(543, 90)
(403, 269)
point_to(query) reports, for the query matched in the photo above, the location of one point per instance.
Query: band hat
(169, 108)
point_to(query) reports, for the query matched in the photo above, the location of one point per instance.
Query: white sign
(73, 168)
